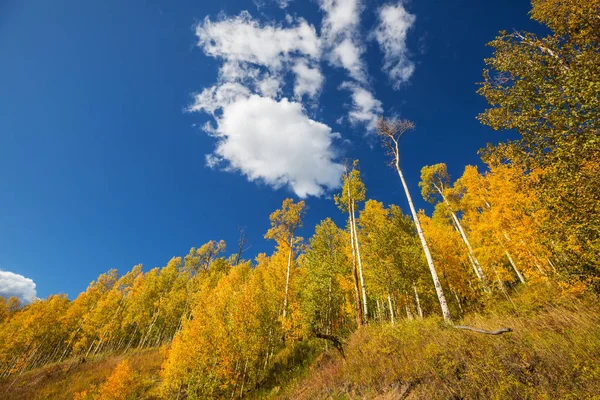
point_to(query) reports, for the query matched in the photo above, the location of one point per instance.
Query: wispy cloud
(392, 29)
(12, 284)
(365, 107)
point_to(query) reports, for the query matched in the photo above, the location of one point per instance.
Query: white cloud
(276, 143)
(365, 107)
(265, 137)
(347, 55)
(341, 34)
(283, 3)
(261, 133)
(341, 17)
(391, 32)
(214, 98)
(242, 39)
(12, 284)
(308, 80)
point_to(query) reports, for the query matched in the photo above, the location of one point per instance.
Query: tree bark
(510, 259)
(360, 270)
(358, 306)
(496, 332)
(434, 275)
(474, 262)
(419, 309)
(337, 343)
(287, 277)
(391, 308)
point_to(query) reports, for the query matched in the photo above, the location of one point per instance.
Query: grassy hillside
(64, 380)
(552, 353)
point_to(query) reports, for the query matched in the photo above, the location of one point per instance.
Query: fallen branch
(496, 332)
(404, 393)
(337, 343)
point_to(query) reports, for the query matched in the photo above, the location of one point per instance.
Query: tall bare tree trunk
(391, 308)
(409, 314)
(419, 309)
(360, 270)
(474, 262)
(287, 277)
(358, 306)
(512, 262)
(434, 275)
(510, 259)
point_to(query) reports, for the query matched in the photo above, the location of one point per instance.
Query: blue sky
(102, 167)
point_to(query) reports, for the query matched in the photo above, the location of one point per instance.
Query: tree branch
(496, 332)
(337, 343)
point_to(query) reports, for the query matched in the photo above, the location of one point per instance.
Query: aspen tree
(284, 223)
(353, 191)
(390, 133)
(434, 182)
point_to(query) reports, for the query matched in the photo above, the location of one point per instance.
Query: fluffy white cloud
(276, 143)
(308, 80)
(341, 17)
(265, 137)
(12, 284)
(261, 133)
(394, 24)
(246, 46)
(365, 107)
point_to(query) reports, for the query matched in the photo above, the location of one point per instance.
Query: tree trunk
(512, 262)
(434, 275)
(391, 308)
(409, 314)
(360, 270)
(358, 307)
(287, 277)
(457, 299)
(474, 262)
(419, 309)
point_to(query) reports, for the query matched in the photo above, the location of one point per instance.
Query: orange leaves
(120, 385)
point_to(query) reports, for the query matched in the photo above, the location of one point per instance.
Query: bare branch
(496, 332)
(337, 343)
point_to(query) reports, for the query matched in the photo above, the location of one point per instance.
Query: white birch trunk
(419, 309)
(512, 262)
(287, 277)
(408, 313)
(359, 318)
(392, 319)
(457, 299)
(474, 262)
(360, 270)
(434, 275)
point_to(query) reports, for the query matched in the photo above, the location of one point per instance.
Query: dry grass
(553, 353)
(62, 381)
